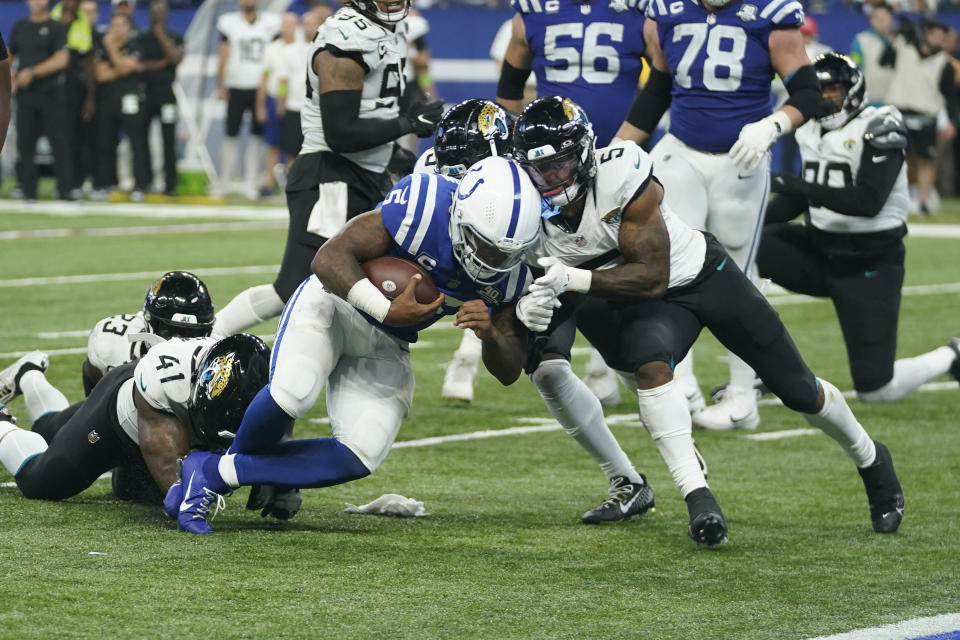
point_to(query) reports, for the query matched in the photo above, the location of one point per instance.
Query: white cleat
(604, 384)
(458, 380)
(737, 410)
(10, 377)
(694, 396)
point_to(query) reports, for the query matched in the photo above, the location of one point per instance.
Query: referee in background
(38, 49)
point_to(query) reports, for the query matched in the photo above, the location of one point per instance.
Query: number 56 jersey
(720, 63)
(381, 53)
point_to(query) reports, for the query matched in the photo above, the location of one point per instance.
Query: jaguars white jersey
(832, 158)
(248, 44)
(164, 378)
(109, 344)
(382, 53)
(622, 169)
(427, 162)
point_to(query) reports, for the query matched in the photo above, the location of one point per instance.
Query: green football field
(502, 553)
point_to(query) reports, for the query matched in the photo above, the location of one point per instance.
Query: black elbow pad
(652, 101)
(804, 89)
(511, 83)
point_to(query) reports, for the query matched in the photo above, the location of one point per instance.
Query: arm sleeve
(652, 101)
(871, 186)
(347, 132)
(784, 207)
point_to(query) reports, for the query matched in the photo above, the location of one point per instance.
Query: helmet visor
(553, 174)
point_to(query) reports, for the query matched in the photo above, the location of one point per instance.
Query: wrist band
(579, 280)
(365, 296)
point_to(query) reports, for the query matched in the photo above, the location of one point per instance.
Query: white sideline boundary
(906, 630)
(201, 227)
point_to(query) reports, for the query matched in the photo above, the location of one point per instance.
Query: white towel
(390, 504)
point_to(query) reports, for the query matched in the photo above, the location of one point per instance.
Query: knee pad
(298, 390)
(550, 375)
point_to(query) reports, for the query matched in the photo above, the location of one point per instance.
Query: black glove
(789, 184)
(422, 118)
(402, 161)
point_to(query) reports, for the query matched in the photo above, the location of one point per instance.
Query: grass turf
(503, 554)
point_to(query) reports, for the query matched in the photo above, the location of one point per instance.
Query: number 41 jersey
(380, 52)
(720, 63)
(590, 52)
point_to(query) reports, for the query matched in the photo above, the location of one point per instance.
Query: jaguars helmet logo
(570, 109)
(490, 122)
(219, 374)
(155, 289)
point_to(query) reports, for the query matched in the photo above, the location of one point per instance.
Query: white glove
(560, 278)
(535, 311)
(757, 137)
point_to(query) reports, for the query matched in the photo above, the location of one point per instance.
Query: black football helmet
(554, 142)
(469, 132)
(837, 69)
(373, 9)
(232, 373)
(178, 305)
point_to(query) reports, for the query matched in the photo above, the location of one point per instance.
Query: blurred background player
(854, 196)
(712, 65)
(279, 75)
(244, 36)
(80, 84)
(350, 120)
(590, 52)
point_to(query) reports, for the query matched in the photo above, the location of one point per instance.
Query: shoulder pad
(622, 169)
(417, 27)
(164, 376)
(350, 31)
(427, 162)
(109, 345)
(886, 129)
(779, 13)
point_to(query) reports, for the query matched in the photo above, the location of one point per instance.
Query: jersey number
(118, 330)
(584, 64)
(835, 174)
(251, 50)
(165, 363)
(720, 55)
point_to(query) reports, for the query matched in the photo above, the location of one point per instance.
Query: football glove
(757, 137)
(536, 311)
(560, 278)
(422, 118)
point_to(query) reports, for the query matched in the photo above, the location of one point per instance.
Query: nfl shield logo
(93, 437)
(580, 241)
(747, 13)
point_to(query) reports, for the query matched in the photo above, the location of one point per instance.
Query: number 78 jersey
(720, 63)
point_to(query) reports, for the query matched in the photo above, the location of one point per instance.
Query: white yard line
(209, 227)
(780, 435)
(135, 210)
(135, 275)
(906, 630)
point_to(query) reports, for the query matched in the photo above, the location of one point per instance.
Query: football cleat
(171, 503)
(458, 380)
(10, 377)
(6, 416)
(954, 370)
(626, 499)
(203, 497)
(737, 410)
(603, 383)
(281, 503)
(708, 527)
(695, 400)
(883, 491)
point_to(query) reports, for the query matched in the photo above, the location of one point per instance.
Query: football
(391, 276)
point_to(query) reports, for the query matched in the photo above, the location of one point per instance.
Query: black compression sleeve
(871, 187)
(652, 101)
(784, 207)
(512, 81)
(804, 89)
(346, 132)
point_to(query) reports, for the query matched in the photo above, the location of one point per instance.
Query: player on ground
(712, 65)
(653, 284)
(854, 194)
(244, 36)
(340, 331)
(143, 416)
(350, 120)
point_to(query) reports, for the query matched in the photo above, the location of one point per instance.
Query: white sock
(228, 159)
(252, 164)
(227, 469)
(471, 347)
(579, 413)
(664, 413)
(910, 373)
(251, 307)
(837, 421)
(17, 446)
(40, 396)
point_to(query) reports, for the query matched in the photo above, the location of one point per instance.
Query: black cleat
(954, 370)
(707, 524)
(6, 416)
(626, 499)
(281, 503)
(883, 491)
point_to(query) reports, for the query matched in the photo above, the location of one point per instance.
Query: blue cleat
(203, 497)
(171, 502)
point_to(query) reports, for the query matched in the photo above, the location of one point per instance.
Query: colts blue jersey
(417, 214)
(720, 63)
(589, 52)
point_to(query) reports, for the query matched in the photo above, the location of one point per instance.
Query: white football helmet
(495, 219)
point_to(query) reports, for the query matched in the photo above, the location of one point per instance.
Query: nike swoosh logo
(869, 274)
(721, 265)
(637, 165)
(343, 34)
(183, 504)
(424, 120)
(143, 387)
(625, 506)
(878, 159)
